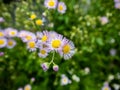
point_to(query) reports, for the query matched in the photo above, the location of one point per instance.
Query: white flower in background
(20, 88)
(50, 4)
(111, 77)
(1, 19)
(27, 87)
(106, 86)
(87, 70)
(3, 42)
(61, 7)
(75, 78)
(65, 80)
(11, 32)
(2, 33)
(116, 86)
(32, 79)
(104, 20)
(113, 52)
(11, 43)
(112, 40)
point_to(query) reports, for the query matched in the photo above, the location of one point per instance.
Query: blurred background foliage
(81, 24)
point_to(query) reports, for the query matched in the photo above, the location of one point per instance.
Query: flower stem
(52, 61)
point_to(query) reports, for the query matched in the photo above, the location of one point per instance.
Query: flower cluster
(53, 4)
(6, 38)
(106, 86)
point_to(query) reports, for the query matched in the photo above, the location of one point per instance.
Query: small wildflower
(113, 52)
(104, 20)
(1, 53)
(11, 43)
(110, 77)
(1, 19)
(56, 68)
(2, 33)
(27, 87)
(3, 42)
(20, 88)
(39, 22)
(31, 45)
(106, 87)
(33, 16)
(117, 5)
(43, 53)
(11, 32)
(75, 78)
(65, 80)
(32, 79)
(45, 66)
(51, 4)
(61, 7)
(87, 70)
(116, 86)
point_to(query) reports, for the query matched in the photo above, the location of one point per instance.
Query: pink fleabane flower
(50, 4)
(61, 7)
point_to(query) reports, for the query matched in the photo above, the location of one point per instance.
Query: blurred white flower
(104, 20)
(32, 79)
(20, 88)
(75, 78)
(112, 40)
(27, 87)
(110, 77)
(116, 86)
(112, 52)
(65, 80)
(87, 70)
(1, 19)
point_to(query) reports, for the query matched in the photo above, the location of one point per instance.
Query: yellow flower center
(60, 7)
(64, 80)
(106, 88)
(44, 38)
(1, 34)
(42, 51)
(12, 33)
(10, 43)
(32, 44)
(56, 43)
(51, 3)
(2, 42)
(39, 22)
(28, 37)
(66, 49)
(33, 16)
(27, 88)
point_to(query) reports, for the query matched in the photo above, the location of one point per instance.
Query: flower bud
(56, 68)
(45, 66)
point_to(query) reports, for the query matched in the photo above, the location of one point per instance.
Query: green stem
(52, 61)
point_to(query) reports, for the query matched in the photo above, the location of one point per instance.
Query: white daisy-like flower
(61, 7)
(43, 53)
(31, 45)
(2, 33)
(68, 49)
(43, 36)
(11, 43)
(11, 32)
(104, 20)
(27, 87)
(51, 4)
(22, 34)
(29, 36)
(20, 88)
(3, 42)
(106, 86)
(65, 80)
(52, 34)
(56, 42)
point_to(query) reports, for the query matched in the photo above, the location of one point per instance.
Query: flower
(116, 1)
(113, 52)
(104, 20)
(75, 78)
(11, 32)
(117, 5)
(1, 53)
(27, 87)
(56, 68)
(43, 53)
(32, 79)
(45, 66)
(106, 87)
(50, 4)
(65, 80)
(3, 42)
(11, 43)
(68, 49)
(111, 77)
(56, 43)
(61, 7)
(2, 33)
(87, 70)
(33, 16)
(39, 22)
(1, 19)
(31, 45)
(20, 88)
